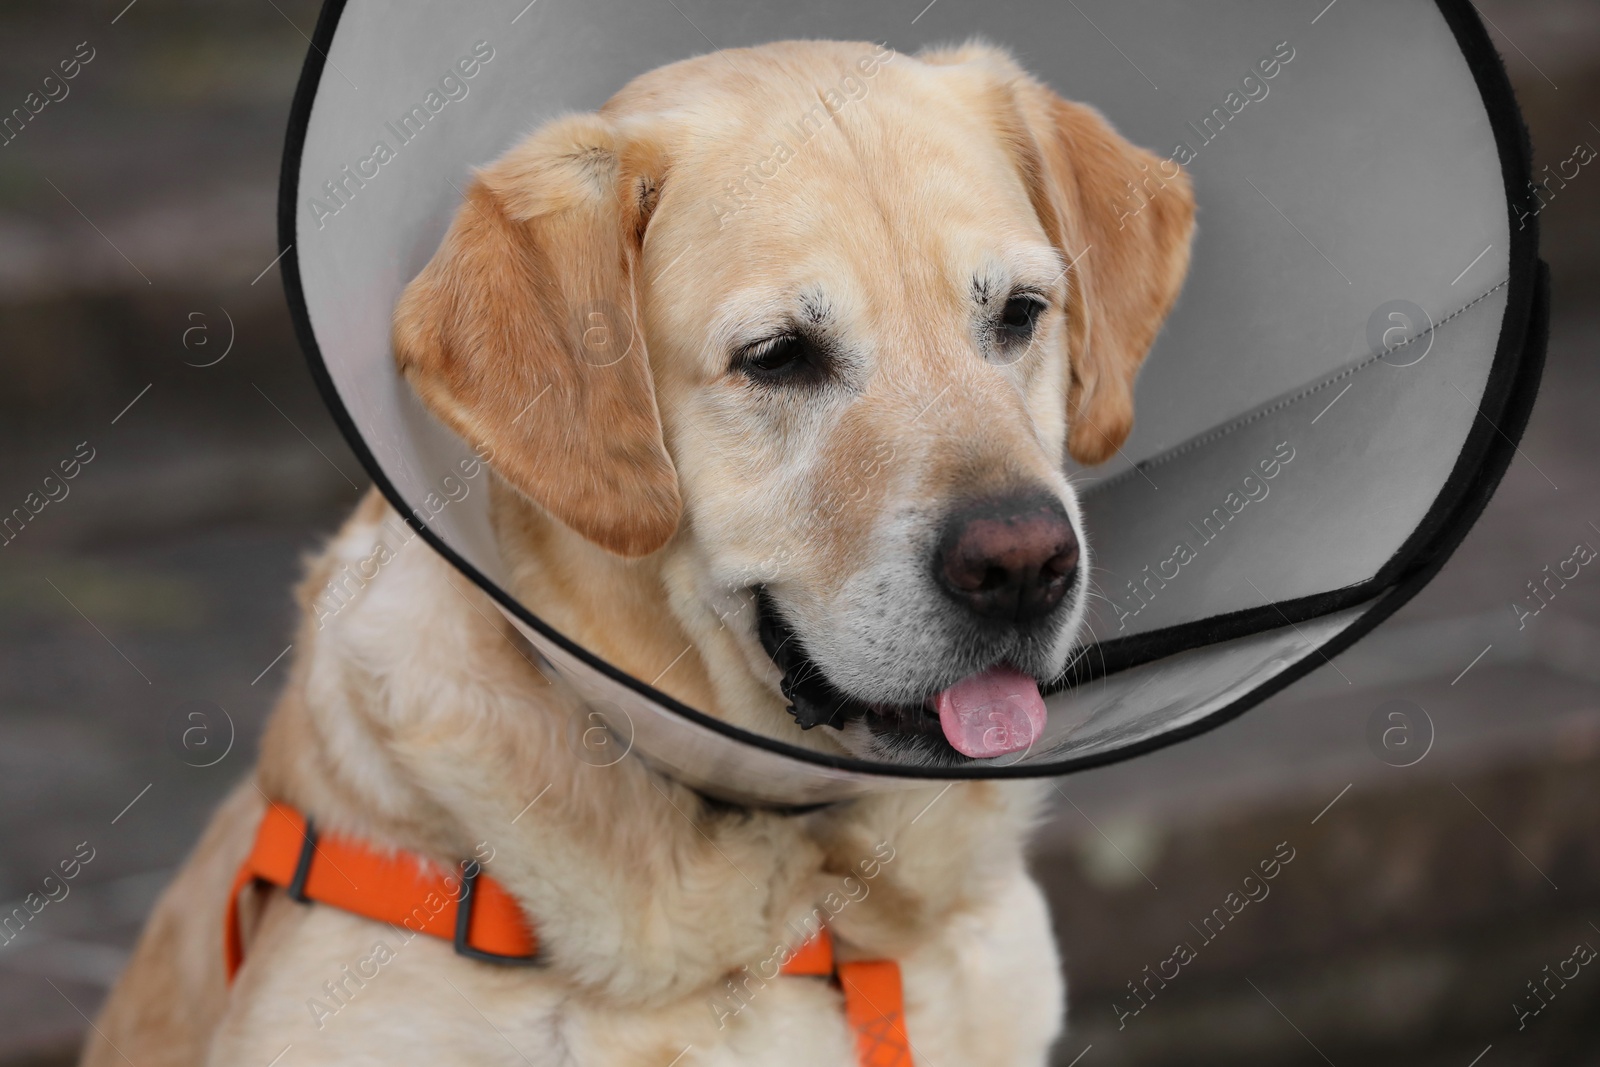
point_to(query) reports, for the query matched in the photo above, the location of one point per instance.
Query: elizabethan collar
(1325, 414)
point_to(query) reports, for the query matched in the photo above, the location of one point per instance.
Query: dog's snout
(1010, 560)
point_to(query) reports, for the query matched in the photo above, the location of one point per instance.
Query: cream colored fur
(636, 514)
(413, 717)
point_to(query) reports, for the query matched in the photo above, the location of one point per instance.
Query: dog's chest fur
(416, 717)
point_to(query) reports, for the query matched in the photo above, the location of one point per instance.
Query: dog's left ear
(522, 333)
(1123, 218)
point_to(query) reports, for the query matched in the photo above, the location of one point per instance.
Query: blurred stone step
(1422, 908)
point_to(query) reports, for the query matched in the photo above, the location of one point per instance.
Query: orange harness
(485, 922)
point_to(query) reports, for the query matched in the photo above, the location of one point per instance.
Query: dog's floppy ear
(521, 334)
(1124, 218)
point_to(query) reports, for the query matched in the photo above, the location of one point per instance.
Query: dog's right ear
(1085, 181)
(1089, 187)
(522, 333)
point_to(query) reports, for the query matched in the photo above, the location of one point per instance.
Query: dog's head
(800, 336)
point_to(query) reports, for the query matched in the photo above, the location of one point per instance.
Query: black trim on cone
(1507, 403)
(1513, 360)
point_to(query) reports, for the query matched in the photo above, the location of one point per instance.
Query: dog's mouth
(991, 713)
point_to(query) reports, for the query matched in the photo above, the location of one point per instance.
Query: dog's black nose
(1011, 559)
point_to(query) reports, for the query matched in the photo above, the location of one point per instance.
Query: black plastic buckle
(302, 867)
(469, 880)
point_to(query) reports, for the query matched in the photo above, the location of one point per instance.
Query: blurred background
(1439, 794)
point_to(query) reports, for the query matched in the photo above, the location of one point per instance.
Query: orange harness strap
(485, 922)
(874, 1005)
(463, 906)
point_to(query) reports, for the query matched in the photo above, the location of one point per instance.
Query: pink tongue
(992, 713)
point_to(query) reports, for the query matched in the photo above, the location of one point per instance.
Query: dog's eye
(776, 359)
(1018, 318)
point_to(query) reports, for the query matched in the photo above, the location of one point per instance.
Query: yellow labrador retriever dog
(872, 302)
